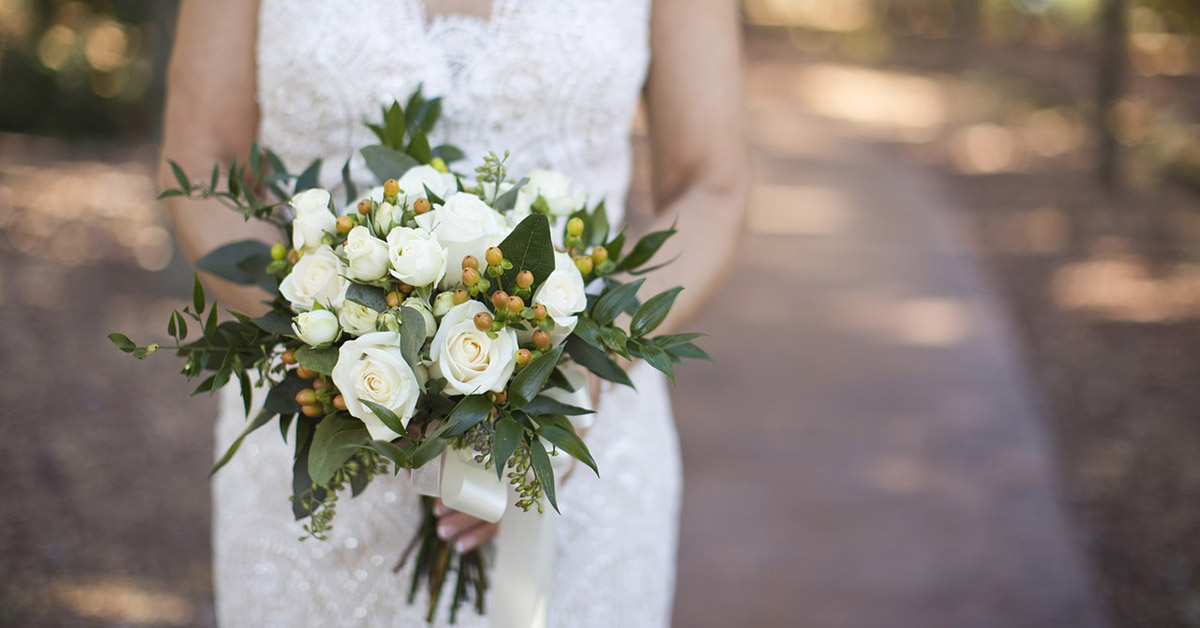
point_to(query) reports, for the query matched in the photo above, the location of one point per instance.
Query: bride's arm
(211, 115)
(698, 157)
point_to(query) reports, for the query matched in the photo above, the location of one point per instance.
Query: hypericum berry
(293, 256)
(306, 397)
(288, 357)
(439, 164)
(541, 339)
(500, 397)
(339, 402)
(583, 263)
(278, 251)
(599, 254)
(461, 296)
(470, 277)
(499, 299)
(312, 411)
(539, 312)
(516, 304)
(320, 384)
(394, 298)
(364, 206)
(406, 289)
(483, 321)
(303, 372)
(524, 279)
(523, 356)
(345, 224)
(494, 256)
(470, 262)
(575, 227)
(391, 188)
(420, 206)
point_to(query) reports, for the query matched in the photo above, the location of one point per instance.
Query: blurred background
(956, 374)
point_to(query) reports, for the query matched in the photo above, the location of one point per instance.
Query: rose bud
(470, 277)
(516, 304)
(494, 256)
(523, 356)
(278, 251)
(524, 279)
(461, 296)
(420, 206)
(583, 263)
(345, 224)
(288, 357)
(339, 402)
(483, 321)
(599, 255)
(391, 188)
(394, 298)
(306, 397)
(304, 372)
(541, 339)
(575, 227)
(364, 206)
(312, 411)
(539, 312)
(442, 303)
(499, 299)
(470, 262)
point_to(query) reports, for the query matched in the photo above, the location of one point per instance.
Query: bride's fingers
(475, 537)
(440, 509)
(455, 524)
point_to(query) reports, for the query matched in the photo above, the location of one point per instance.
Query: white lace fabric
(555, 82)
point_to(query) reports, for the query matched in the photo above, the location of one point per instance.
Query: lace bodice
(556, 83)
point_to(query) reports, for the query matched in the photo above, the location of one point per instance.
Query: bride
(556, 82)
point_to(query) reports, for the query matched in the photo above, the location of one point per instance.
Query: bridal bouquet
(440, 321)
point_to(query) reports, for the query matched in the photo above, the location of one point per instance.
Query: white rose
(442, 303)
(357, 319)
(563, 291)
(464, 226)
(554, 187)
(313, 219)
(319, 277)
(372, 368)
(318, 327)
(467, 358)
(367, 254)
(414, 182)
(417, 257)
(422, 307)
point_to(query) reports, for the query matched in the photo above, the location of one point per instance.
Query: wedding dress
(555, 82)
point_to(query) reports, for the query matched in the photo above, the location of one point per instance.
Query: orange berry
(470, 277)
(406, 289)
(470, 262)
(312, 411)
(494, 256)
(575, 227)
(345, 224)
(421, 205)
(583, 263)
(364, 206)
(541, 339)
(524, 279)
(304, 372)
(523, 356)
(394, 298)
(499, 299)
(515, 304)
(320, 384)
(599, 255)
(306, 397)
(483, 321)
(288, 357)
(539, 312)
(461, 296)
(339, 402)
(391, 188)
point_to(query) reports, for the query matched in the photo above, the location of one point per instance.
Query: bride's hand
(466, 531)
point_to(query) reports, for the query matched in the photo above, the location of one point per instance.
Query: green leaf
(615, 340)
(309, 178)
(198, 295)
(615, 300)
(569, 442)
(369, 296)
(274, 322)
(123, 342)
(505, 441)
(666, 342)
(320, 360)
(261, 419)
(658, 358)
(645, 249)
(429, 449)
(559, 380)
(285, 421)
(542, 469)
(615, 245)
(244, 262)
(689, 350)
(210, 326)
(530, 382)
(434, 199)
(180, 176)
(528, 247)
(281, 399)
(596, 361)
(589, 331)
(386, 415)
(394, 126)
(391, 452)
(247, 395)
(653, 311)
(598, 226)
(301, 481)
(387, 163)
(557, 420)
(448, 153)
(412, 335)
(549, 405)
(507, 200)
(468, 413)
(348, 184)
(428, 114)
(419, 149)
(332, 445)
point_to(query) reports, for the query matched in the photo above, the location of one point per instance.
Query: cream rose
(415, 180)
(442, 303)
(372, 368)
(417, 257)
(554, 187)
(357, 319)
(313, 219)
(563, 291)
(367, 255)
(464, 226)
(319, 277)
(318, 327)
(467, 358)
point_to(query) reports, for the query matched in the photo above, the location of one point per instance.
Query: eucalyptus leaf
(244, 262)
(448, 153)
(387, 163)
(332, 445)
(320, 360)
(412, 335)
(369, 296)
(532, 379)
